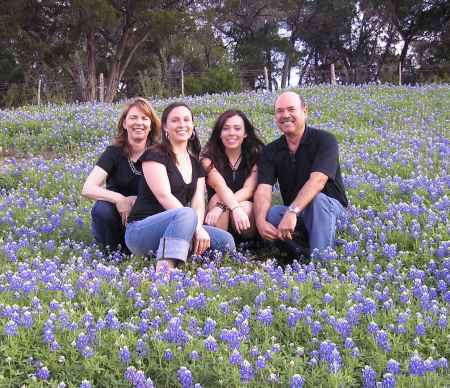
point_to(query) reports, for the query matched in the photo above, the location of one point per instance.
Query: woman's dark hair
(121, 137)
(251, 146)
(193, 146)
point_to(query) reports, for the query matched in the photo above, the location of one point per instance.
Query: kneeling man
(305, 162)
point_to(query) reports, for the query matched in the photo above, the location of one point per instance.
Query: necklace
(133, 169)
(233, 166)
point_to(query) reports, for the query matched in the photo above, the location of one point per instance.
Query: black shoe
(293, 251)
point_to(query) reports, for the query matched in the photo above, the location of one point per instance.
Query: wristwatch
(293, 209)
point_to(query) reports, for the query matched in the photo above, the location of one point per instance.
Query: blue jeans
(107, 225)
(169, 235)
(319, 218)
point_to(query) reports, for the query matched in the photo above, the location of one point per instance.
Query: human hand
(267, 231)
(287, 225)
(241, 220)
(202, 240)
(213, 216)
(123, 206)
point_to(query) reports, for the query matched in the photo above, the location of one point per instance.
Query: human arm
(94, 188)
(202, 239)
(155, 174)
(248, 189)
(227, 197)
(313, 186)
(262, 204)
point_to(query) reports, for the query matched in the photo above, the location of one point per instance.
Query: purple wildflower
(297, 381)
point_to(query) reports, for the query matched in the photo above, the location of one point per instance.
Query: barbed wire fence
(66, 89)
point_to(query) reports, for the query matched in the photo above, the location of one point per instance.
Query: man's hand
(202, 240)
(287, 225)
(267, 231)
(213, 216)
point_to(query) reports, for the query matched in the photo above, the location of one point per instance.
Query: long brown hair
(251, 146)
(154, 137)
(193, 145)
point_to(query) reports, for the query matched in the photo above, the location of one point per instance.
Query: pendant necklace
(233, 167)
(133, 169)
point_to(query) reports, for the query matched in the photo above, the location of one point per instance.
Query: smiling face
(137, 124)
(233, 133)
(179, 125)
(290, 114)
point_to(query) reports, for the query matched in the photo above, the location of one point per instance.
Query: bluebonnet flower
(125, 355)
(85, 384)
(210, 344)
(316, 328)
(246, 372)
(420, 329)
(168, 355)
(194, 355)
(369, 377)
(393, 367)
(297, 381)
(235, 358)
(388, 381)
(185, 377)
(10, 328)
(265, 316)
(260, 362)
(43, 373)
(442, 363)
(383, 340)
(141, 348)
(416, 366)
(327, 298)
(209, 327)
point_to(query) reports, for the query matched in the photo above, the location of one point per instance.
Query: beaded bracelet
(222, 206)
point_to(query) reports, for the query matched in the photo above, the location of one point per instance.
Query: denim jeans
(319, 218)
(169, 235)
(107, 225)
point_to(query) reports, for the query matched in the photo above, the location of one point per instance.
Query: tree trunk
(404, 51)
(91, 67)
(285, 71)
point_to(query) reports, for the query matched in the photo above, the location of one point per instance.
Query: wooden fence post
(182, 82)
(332, 74)
(101, 88)
(39, 92)
(266, 78)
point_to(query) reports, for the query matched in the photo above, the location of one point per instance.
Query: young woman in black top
(120, 168)
(168, 213)
(229, 159)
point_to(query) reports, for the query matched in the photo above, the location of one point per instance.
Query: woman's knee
(186, 215)
(104, 211)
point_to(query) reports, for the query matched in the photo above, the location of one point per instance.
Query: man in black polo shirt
(305, 162)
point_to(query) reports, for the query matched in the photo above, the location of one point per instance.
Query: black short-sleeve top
(317, 152)
(147, 204)
(121, 178)
(234, 179)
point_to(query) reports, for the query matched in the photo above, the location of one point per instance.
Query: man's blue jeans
(169, 235)
(107, 225)
(319, 218)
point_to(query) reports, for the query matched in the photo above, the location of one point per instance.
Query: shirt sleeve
(326, 159)
(266, 167)
(200, 170)
(108, 160)
(155, 156)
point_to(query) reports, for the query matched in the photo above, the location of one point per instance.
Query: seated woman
(120, 168)
(229, 159)
(170, 206)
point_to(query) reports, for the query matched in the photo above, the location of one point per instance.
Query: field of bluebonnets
(375, 312)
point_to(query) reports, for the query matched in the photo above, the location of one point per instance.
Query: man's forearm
(262, 204)
(308, 192)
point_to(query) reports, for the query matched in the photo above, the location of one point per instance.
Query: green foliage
(215, 80)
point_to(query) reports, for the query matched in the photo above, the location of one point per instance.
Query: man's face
(290, 115)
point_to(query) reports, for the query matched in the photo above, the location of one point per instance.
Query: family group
(150, 184)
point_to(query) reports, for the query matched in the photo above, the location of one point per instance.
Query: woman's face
(179, 125)
(137, 124)
(233, 133)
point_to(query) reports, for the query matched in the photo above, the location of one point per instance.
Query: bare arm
(262, 204)
(94, 187)
(313, 186)
(157, 180)
(310, 189)
(198, 201)
(248, 190)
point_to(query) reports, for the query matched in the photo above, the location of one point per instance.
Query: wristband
(236, 207)
(221, 206)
